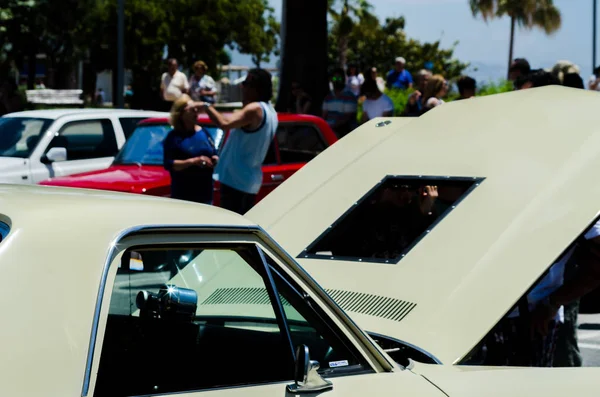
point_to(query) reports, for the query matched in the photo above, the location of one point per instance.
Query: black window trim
(80, 121)
(356, 369)
(305, 254)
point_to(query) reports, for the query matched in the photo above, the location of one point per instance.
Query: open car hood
(533, 195)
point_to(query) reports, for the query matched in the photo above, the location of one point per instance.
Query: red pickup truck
(138, 168)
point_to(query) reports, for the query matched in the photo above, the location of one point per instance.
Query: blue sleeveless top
(240, 163)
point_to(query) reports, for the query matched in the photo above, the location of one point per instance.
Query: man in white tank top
(252, 130)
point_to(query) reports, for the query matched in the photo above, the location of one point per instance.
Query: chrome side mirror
(306, 377)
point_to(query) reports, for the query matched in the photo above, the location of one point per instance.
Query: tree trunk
(303, 52)
(31, 68)
(511, 43)
(343, 50)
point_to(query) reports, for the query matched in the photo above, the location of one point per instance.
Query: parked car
(38, 144)
(87, 319)
(514, 180)
(138, 168)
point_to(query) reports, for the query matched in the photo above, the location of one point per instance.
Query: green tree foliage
(87, 30)
(371, 43)
(346, 15)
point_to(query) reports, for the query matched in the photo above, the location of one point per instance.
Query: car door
(271, 168)
(297, 143)
(221, 314)
(91, 145)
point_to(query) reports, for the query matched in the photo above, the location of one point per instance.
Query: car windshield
(145, 147)
(20, 135)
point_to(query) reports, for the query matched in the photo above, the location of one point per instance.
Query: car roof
(24, 205)
(538, 151)
(58, 113)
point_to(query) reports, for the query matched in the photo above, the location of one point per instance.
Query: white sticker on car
(341, 363)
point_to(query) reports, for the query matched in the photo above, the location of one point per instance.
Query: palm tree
(527, 13)
(344, 20)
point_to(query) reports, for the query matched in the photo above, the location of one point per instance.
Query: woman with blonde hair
(189, 155)
(435, 90)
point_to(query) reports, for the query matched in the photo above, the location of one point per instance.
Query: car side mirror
(306, 377)
(55, 154)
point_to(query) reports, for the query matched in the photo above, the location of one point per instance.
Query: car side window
(197, 317)
(128, 124)
(87, 139)
(271, 156)
(299, 143)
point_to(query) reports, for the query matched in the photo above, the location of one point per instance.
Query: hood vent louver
(369, 304)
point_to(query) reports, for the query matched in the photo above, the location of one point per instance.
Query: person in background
(538, 78)
(189, 155)
(301, 101)
(376, 103)
(562, 68)
(518, 68)
(202, 86)
(340, 106)
(414, 104)
(252, 130)
(372, 73)
(573, 80)
(40, 85)
(100, 97)
(467, 86)
(354, 80)
(173, 84)
(594, 82)
(399, 77)
(435, 91)
(128, 95)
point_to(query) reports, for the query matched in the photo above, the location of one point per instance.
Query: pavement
(589, 339)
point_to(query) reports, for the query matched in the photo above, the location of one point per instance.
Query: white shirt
(206, 83)
(377, 107)
(555, 278)
(173, 85)
(353, 83)
(240, 163)
(591, 80)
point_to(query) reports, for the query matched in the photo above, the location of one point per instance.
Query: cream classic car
(90, 310)
(517, 185)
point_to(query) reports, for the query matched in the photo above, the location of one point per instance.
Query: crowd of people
(199, 85)
(351, 90)
(190, 154)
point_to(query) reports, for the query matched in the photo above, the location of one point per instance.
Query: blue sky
(485, 45)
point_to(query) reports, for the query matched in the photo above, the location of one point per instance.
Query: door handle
(277, 177)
